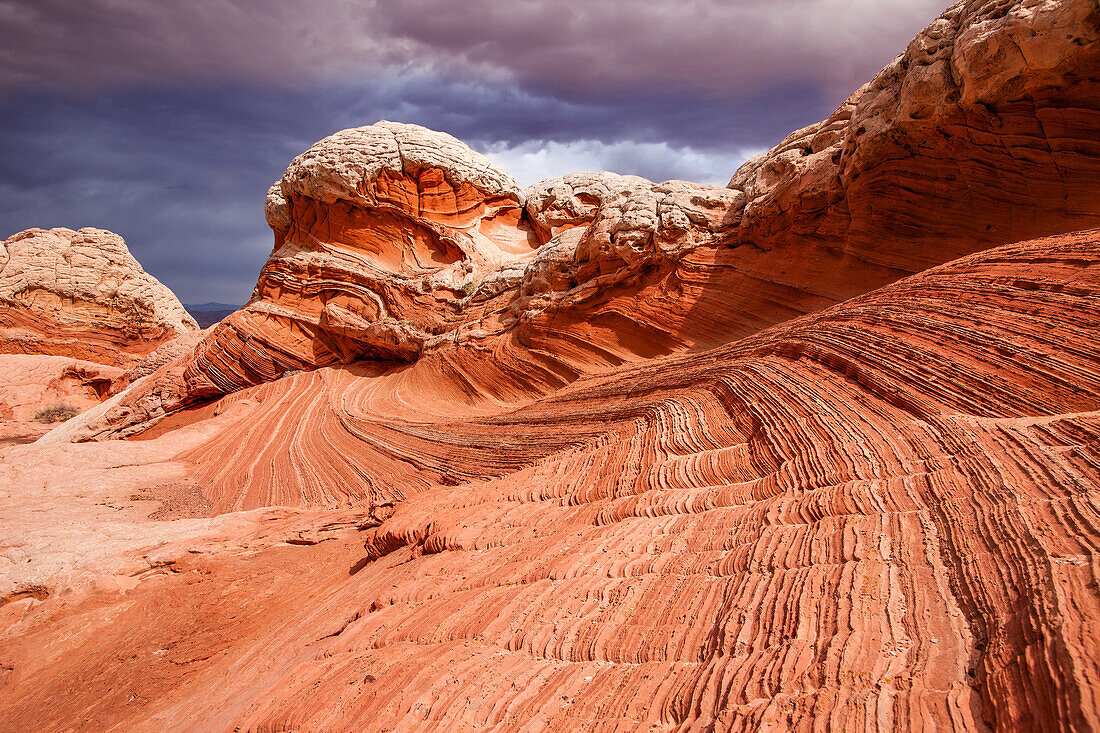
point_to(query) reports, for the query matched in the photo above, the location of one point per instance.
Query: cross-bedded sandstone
(82, 294)
(394, 242)
(810, 451)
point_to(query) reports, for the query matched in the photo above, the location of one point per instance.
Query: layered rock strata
(608, 454)
(82, 295)
(881, 516)
(984, 131)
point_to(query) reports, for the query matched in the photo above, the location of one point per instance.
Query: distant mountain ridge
(207, 314)
(212, 305)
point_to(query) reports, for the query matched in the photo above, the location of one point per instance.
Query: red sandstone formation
(608, 454)
(37, 392)
(82, 295)
(76, 306)
(883, 515)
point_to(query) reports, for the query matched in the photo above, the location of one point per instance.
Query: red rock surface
(37, 392)
(76, 311)
(882, 515)
(607, 454)
(82, 295)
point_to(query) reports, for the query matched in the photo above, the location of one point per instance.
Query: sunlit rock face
(393, 241)
(817, 449)
(983, 131)
(378, 232)
(81, 294)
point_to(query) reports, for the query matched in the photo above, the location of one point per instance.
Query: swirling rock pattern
(805, 452)
(882, 516)
(82, 295)
(378, 231)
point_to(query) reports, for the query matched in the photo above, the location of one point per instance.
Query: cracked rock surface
(82, 294)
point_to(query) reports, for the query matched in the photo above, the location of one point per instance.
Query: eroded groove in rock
(775, 530)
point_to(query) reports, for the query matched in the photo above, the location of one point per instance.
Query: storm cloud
(166, 122)
(570, 47)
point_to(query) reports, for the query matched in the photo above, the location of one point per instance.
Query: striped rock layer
(883, 516)
(816, 450)
(82, 295)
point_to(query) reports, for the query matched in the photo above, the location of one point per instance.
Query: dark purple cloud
(565, 47)
(181, 172)
(716, 46)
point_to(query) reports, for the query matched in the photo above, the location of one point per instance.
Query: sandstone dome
(82, 294)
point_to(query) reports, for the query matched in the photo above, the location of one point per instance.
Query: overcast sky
(166, 120)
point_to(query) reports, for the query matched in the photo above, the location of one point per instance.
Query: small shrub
(470, 286)
(56, 413)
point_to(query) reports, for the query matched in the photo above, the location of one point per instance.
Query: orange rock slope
(607, 454)
(884, 515)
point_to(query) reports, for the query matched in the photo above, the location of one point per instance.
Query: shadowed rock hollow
(817, 449)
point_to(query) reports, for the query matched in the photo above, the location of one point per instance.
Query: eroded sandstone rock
(82, 294)
(882, 515)
(982, 132)
(38, 391)
(379, 231)
(877, 514)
